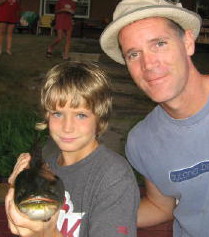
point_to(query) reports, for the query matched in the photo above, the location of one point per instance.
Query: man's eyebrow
(132, 49)
(158, 39)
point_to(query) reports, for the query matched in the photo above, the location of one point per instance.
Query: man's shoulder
(146, 122)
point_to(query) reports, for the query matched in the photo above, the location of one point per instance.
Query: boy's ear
(189, 41)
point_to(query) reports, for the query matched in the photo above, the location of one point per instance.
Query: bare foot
(65, 56)
(9, 52)
(49, 52)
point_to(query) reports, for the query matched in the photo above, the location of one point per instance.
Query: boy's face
(73, 130)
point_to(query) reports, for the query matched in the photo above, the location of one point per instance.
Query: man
(156, 39)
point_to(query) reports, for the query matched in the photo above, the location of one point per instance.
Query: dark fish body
(38, 192)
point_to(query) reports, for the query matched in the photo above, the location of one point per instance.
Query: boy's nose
(68, 125)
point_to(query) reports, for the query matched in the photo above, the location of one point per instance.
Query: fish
(39, 193)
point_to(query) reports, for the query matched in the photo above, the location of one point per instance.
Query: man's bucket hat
(128, 11)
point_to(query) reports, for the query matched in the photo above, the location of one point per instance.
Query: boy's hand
(21, 164)
(21, 225)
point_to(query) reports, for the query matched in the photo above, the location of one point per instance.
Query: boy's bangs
(61, 96)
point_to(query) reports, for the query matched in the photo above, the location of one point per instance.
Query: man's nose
(149, 61)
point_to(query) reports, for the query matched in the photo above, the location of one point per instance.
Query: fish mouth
(39, 208)
(39, 193)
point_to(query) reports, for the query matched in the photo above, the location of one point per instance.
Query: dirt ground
(129, 104)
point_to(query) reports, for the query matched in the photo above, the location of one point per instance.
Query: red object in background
(4, 230)
(164, 230)
(9, 11)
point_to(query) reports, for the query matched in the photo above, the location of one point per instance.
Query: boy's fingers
(8, 201)
(21, 164)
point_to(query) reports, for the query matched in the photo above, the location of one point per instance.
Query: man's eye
(161, 43)
(132, 56)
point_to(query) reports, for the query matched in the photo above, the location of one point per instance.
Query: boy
(101, 192)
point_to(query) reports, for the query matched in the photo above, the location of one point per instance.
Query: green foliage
(17, 135)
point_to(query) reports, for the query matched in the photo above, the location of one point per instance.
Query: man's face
(157, 57)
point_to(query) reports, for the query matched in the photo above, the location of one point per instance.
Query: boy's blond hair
(78, 82)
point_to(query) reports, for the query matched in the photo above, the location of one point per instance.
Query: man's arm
(155, 208)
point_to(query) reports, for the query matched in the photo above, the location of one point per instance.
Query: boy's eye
(56, 114)
(81, 116)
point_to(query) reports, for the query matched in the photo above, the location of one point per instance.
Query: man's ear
(189, 41)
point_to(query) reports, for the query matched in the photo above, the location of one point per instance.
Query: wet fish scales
(38, 210)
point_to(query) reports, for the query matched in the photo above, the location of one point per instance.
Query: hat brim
(109, 38)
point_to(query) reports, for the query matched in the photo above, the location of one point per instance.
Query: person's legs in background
(67, 44)
(58, 39)
(2, 33)
(10, 29)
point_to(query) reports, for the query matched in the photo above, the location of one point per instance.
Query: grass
(17, 135)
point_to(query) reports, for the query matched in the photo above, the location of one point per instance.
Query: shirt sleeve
(115, 209)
